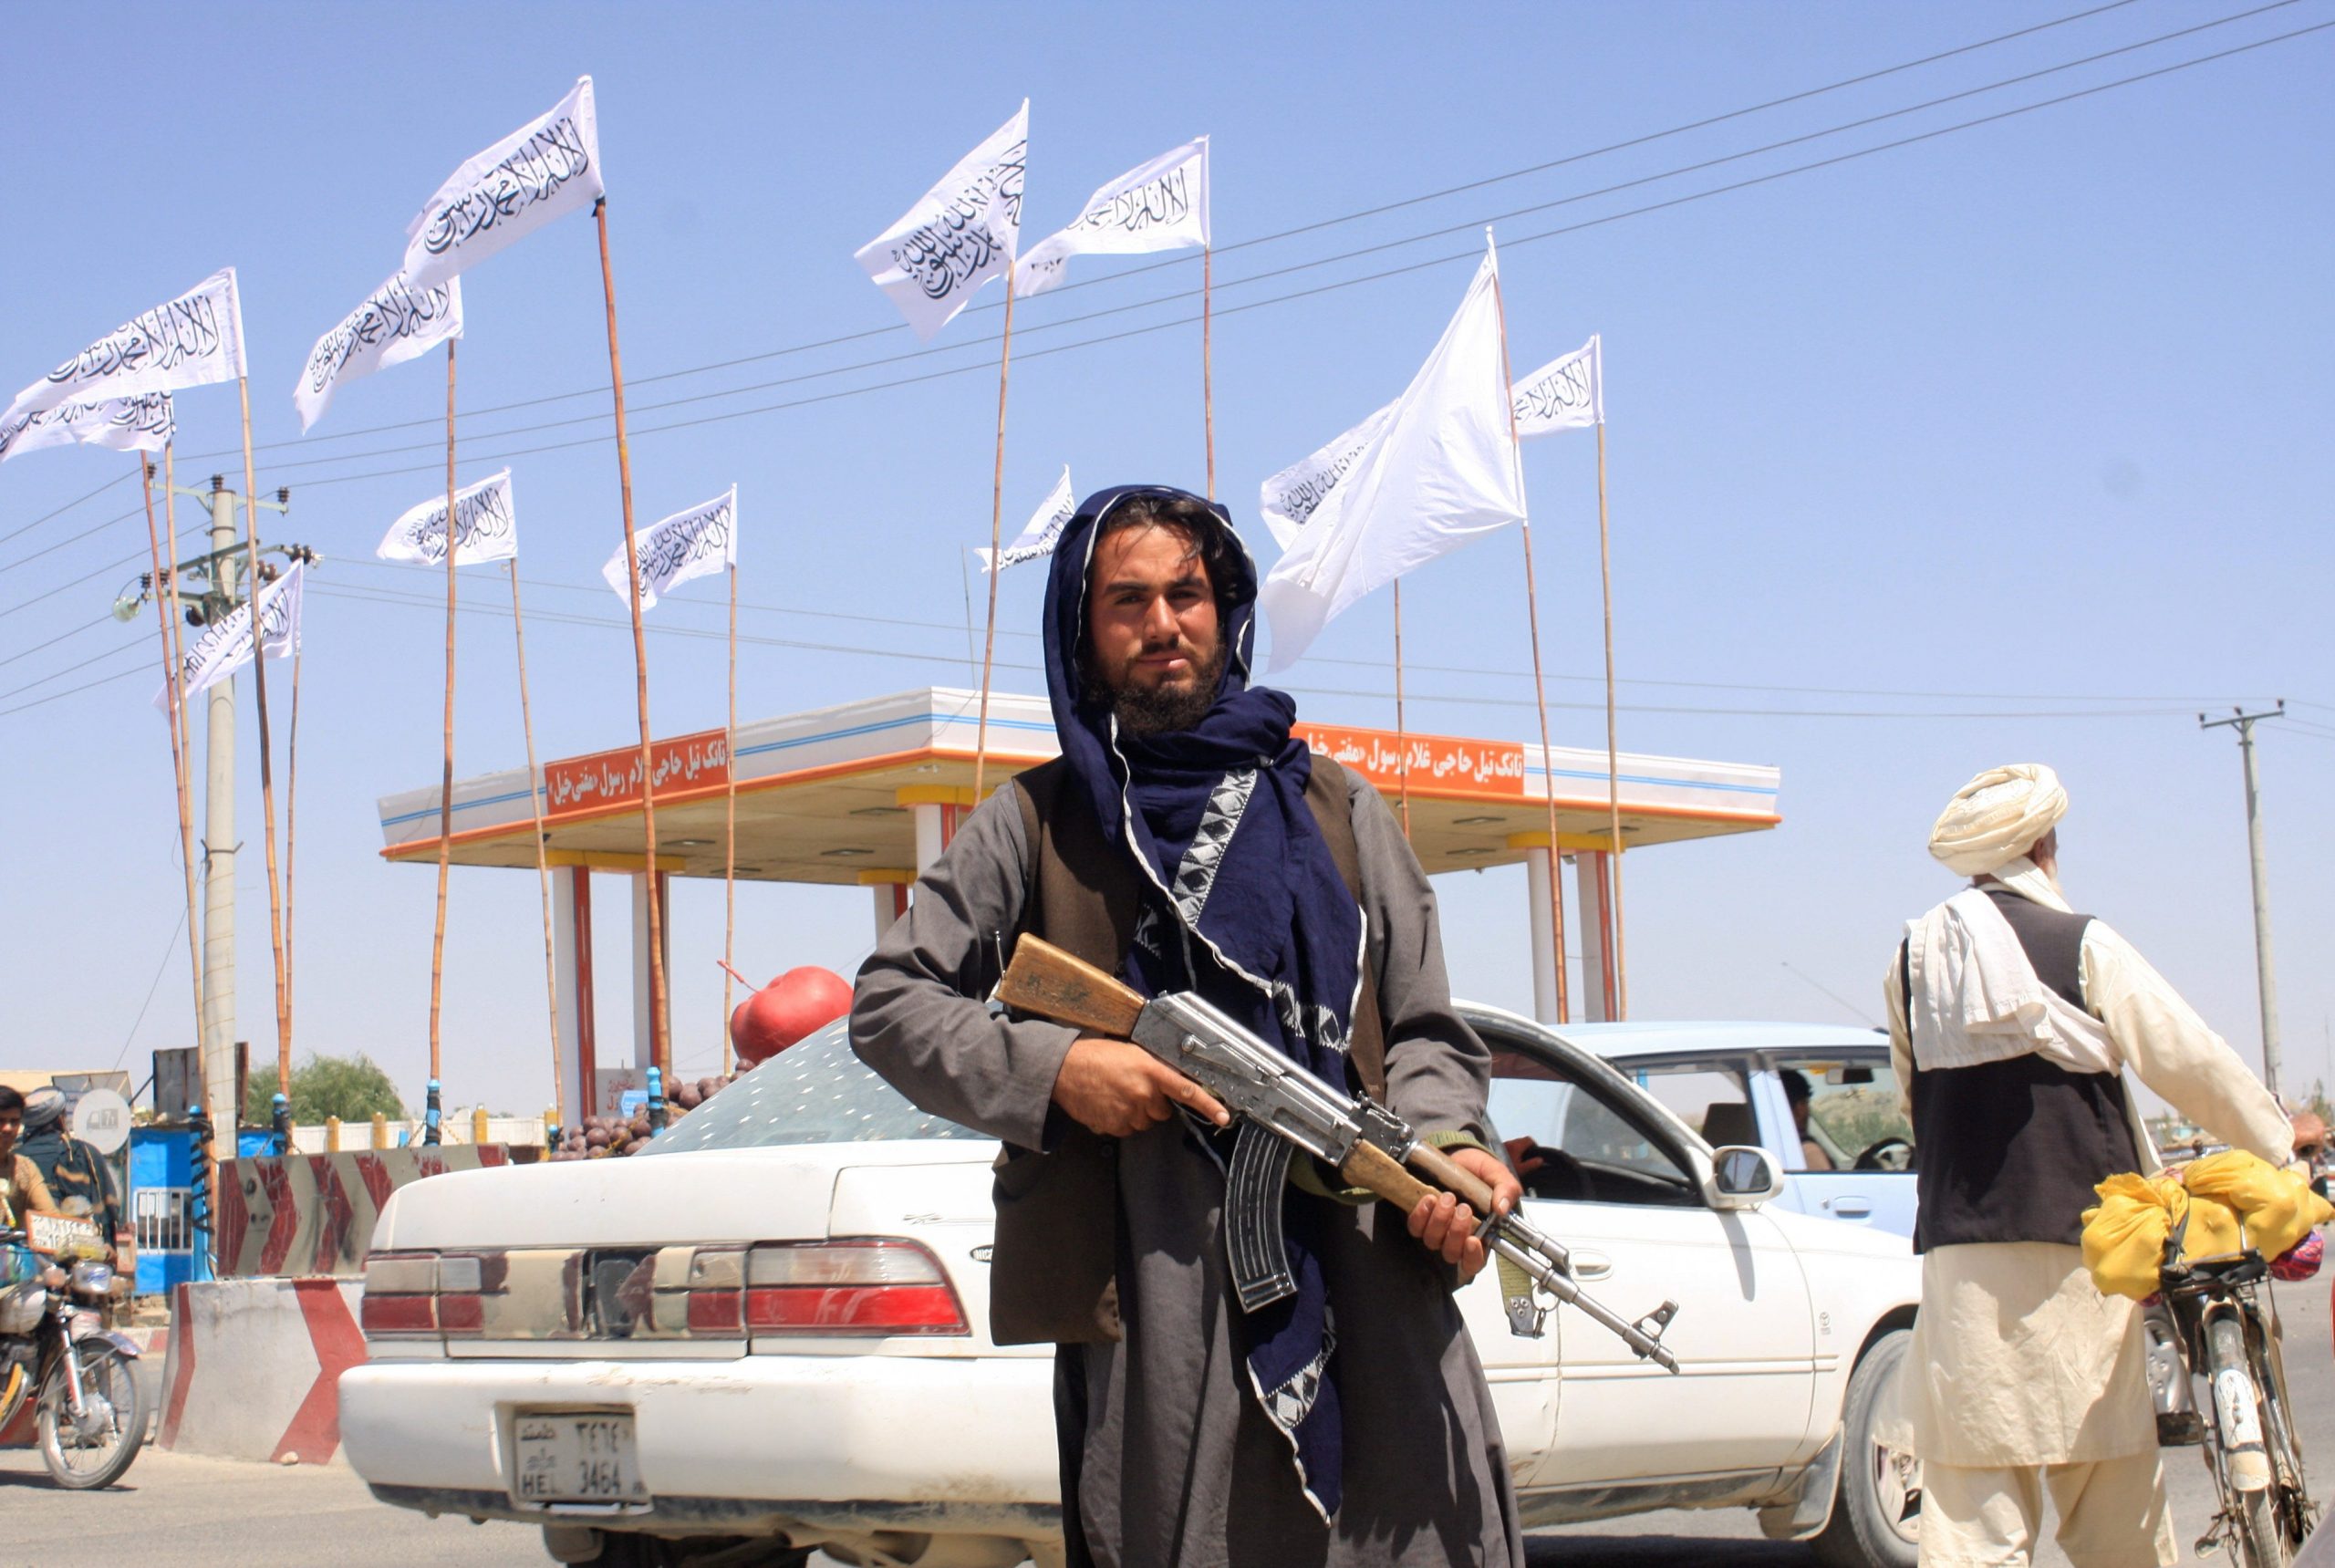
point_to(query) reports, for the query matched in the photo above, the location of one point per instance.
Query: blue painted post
(430, 1113)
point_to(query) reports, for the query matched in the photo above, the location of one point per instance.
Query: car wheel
(1877, 1514)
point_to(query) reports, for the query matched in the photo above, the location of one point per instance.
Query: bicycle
(2243, 1424)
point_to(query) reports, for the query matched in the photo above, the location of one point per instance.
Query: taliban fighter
(2012, 1020)
(1186, 838)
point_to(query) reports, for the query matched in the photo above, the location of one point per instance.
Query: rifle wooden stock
(1050, 983)
(1042, 979)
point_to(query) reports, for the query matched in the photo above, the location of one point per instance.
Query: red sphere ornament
(793, 1005)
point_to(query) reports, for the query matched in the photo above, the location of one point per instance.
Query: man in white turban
(2012, 1020)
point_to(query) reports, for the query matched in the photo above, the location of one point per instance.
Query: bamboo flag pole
(996, 541)
(1207, 398)
(1402, 734)
(1539, 697)
(446, 765)
(266, 760)
(1612, 745)
(542, 865)
(729, 830)
(166, 611)
(660, 1043)
(291, 843)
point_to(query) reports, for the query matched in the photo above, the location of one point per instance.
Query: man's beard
(1162, 711)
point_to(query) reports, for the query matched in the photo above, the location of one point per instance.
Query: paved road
(174, 1510)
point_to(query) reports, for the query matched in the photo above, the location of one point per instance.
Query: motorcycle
(57, 1353)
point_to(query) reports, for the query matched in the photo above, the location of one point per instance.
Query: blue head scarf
(1242, 902)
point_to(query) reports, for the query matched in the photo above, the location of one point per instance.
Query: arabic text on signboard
(608, 779)
(1436, 762)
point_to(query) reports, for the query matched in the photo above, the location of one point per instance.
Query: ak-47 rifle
(1281, 1108)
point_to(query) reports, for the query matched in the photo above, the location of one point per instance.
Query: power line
(59, 674)
(967, 343)
(113, 566)
(599, 590)
(420, 601)
(52, 642)
(60, 511)
(70, 691)
(1124, 275)
(74, 539)
(1341, 285)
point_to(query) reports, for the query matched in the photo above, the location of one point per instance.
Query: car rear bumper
(756, 1444)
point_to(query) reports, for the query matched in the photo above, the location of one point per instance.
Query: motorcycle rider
(23, 1189)
(79, 1178)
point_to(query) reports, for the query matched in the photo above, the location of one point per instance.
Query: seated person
(22, 1190)
(1796, 1095)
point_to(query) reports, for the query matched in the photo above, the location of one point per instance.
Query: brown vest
(1053, 1271)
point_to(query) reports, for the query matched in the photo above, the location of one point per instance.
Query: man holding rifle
(1186, 840)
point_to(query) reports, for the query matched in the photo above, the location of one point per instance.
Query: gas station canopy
(829, 795)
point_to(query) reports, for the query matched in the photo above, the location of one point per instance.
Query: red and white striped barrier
(255, 1367)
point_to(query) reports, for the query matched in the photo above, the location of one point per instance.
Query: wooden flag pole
(660, 1043)
(730, 831)
(266, 760)
(1539, 697)
(1207, 388)
(291, 842)
(996, 541)
(543, 864)
(446, 761)
(166, 609)
(1612, 745)
(1402, 734)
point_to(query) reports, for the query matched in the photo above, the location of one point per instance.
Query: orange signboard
(608, 779)
(1437, 762)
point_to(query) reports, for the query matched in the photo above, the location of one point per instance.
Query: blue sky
(2028, 420)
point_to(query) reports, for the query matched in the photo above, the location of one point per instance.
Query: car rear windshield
(814, 1091)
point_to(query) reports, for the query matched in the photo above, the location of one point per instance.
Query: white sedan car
(768, 1336)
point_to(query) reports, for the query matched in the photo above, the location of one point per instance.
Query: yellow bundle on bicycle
(2123, 1238)
(2277, 1204)
(2231, 1201)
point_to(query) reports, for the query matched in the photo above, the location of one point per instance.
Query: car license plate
(576, 1456)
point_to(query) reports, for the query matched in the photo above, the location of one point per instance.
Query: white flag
(194, 341)
(1290, 497)
(1442, 472)
(547, 169)
(1161, 206)
(1567, 393)
(227, 646)
(691, 544)
(1044, 531)
(396, 322)
(486, 527)
(142, 423)
(959, 235)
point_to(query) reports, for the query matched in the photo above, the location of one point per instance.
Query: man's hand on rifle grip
(1119, 1089)
(1446, 1227)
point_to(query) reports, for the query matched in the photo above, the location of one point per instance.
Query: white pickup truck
(767, 1336)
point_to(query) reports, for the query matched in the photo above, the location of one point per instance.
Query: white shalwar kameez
(2021, 1377)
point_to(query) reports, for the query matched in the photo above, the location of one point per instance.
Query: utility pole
(2265, 972)
(220, 593)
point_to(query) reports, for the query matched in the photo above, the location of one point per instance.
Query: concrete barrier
(255, 1366)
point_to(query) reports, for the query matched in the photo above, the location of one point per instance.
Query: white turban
(1996, 817)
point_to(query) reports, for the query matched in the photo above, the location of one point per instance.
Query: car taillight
(422, 1295)
(400, 1299)
(871, 1287)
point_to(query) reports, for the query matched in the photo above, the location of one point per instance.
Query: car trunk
(697, 1255)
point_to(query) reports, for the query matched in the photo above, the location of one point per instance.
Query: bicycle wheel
(2247, 1482)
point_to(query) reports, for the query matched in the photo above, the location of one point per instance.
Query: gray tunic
(1166, 1457)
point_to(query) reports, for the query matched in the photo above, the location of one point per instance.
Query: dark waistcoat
(1052, 1274)
(2009, 1151)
